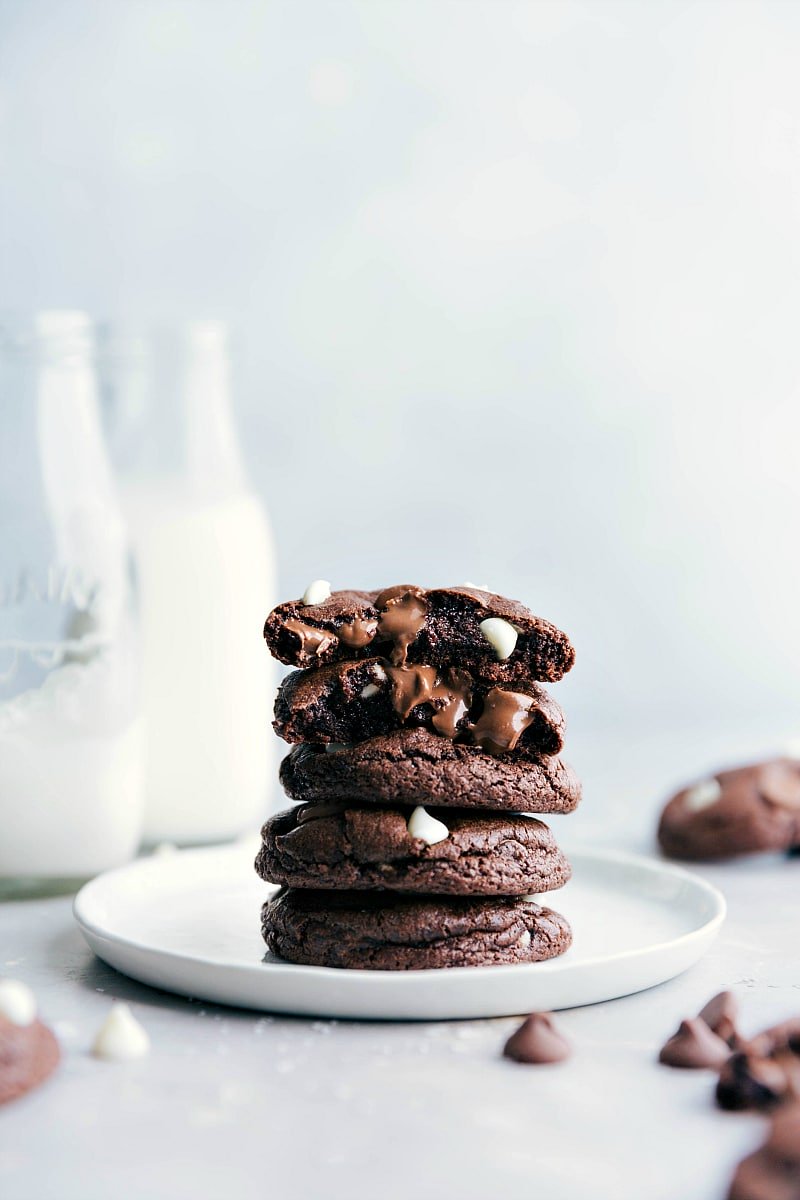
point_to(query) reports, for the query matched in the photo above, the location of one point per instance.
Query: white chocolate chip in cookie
(501, 636)
(371, 689)
(17, 1002)
(425, 827)
(703, 795)
(317, 592)
(477, 587)
(791, 749)
(120, 1037)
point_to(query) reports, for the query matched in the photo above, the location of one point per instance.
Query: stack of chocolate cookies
(424, 741)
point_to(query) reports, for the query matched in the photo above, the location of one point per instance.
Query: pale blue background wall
(516, 287)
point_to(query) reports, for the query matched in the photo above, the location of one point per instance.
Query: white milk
(206, 578)
(70, 776)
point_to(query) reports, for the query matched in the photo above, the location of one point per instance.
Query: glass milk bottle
(71, 793)
(205, 571)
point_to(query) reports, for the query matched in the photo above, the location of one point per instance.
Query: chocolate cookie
(408, 624)
(365, 848)
(352, 701)
(740, 811)
(383, 932)
(28, 1055)
(413, 766)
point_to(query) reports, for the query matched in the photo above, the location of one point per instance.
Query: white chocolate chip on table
(425, 827)
(121, 1037)
(17, 1002)
(317, 592)
(501, 636)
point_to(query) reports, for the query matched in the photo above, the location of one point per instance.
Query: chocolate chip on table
(747, 1081)
(720, 1015)
(695, 1046)
(766, 1071)
(537, 1041)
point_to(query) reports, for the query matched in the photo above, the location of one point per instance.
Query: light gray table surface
(235, 1104)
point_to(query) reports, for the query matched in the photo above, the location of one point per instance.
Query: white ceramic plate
(189, 923)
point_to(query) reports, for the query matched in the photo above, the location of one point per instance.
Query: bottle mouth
(62, 336)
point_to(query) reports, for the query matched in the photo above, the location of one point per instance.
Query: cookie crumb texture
(409, 624)
(29, 1054)
(360, 848)
(414, 766)
(374, 931)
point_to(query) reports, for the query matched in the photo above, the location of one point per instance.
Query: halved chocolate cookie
(380, 931)
(352, 701)
(740, 811)
(414, 766)
(409, 624)
(441, 852)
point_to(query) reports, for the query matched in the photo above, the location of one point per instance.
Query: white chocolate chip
(501, 636)
(425, 827)
(372, 689)
(478, 587)
(317, 592)
(525, 939)
(17, 1002)
(702, 795)
(120, 1037)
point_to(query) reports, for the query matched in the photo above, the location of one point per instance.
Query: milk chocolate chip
(537, 1041)
(450, 693)
(357, 633)
(694, 1046)
(313, 642)
(720, 1016)
(403, 610)
(747, 1081)
(505, 717)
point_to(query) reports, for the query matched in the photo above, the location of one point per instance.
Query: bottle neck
(213, 459)
(63, 529)
(168, 412)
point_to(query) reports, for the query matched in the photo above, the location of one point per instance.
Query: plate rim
(602, 855)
